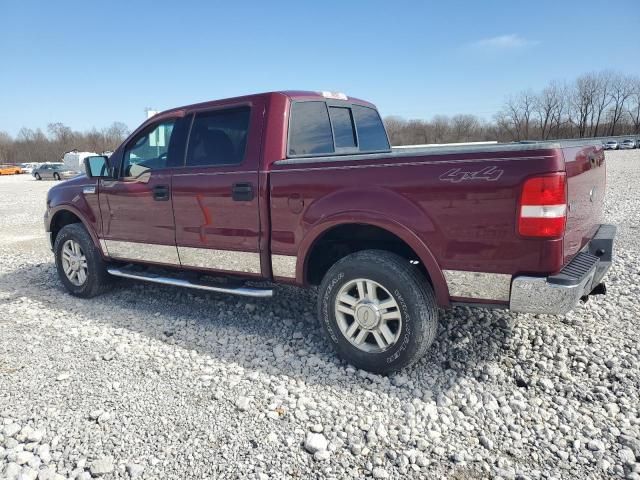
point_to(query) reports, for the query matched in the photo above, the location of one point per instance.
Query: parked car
(611, 145)
(54, 170)
(9, 169)
(303, 188)
(628, 144)
(28, 167)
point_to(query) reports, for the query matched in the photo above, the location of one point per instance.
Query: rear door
(216, 195)
(137, 214)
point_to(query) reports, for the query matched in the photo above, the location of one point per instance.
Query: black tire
(56, 176)
(98, 280)
(38, 177)
(413, 294)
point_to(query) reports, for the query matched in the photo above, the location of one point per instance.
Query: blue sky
(90, 63)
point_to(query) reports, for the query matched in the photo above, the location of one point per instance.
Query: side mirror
(97, 167)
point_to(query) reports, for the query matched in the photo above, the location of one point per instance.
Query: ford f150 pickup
(304, 188)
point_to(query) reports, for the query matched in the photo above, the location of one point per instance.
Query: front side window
(371, 133)
(310, 132)
(218, 137)
(148, 151)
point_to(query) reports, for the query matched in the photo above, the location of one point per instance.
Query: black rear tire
(56, 176)
(98, 280)
(406, 285)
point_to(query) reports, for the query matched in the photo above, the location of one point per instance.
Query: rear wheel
(56, 176)
(79, 263)
(37, 176)
(378, 311)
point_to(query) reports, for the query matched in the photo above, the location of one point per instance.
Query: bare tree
(546, 107)
(516, 115)
(464, 128)
(34, 146)
(601, 99)
(6, 148)
(621, 91)
(115, 135)
(582, 100)
(633, 108)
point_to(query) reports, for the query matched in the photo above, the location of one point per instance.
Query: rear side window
(310, 129)
(218, 138)
(343, 128)
(371, 133)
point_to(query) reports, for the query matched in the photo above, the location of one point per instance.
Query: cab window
(310, 132)
(371, 133)
(218, 137)
(149, 150)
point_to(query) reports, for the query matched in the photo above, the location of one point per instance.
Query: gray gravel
(156, 382)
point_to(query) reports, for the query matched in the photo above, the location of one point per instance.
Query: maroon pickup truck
(304, 188)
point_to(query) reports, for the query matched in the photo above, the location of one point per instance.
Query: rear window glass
(310, 132)
(371, 133)
(343, 127)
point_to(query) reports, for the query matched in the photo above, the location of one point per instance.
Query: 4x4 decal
(488, 174)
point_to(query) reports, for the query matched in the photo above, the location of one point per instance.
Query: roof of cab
(295, 95)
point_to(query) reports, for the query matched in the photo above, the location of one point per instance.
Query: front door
(215, 197)
(136, 207)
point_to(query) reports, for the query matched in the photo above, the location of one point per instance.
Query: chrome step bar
(179, 282)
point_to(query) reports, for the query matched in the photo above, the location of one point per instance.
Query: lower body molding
(478, 285)
(206, 258)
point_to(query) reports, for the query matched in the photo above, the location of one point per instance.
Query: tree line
(595, 104)
(31, 146)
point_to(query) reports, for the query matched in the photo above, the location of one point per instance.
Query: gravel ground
(157, 382)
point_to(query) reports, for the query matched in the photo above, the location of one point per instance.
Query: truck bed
(460, 201)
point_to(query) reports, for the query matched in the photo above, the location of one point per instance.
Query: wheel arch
(66, 215)
(383, 233)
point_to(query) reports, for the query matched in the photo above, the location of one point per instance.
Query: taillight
(543, 206)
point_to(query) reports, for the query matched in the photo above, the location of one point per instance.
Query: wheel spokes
(387, 304)
(348, 299)
(372, 292)
(393, 315)
(368, 315)
(362, 335)
(347, 310)
(379, 339)
(386, 333)
(82, 275)
(351, 330)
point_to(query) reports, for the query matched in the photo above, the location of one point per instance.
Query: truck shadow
(241, 330)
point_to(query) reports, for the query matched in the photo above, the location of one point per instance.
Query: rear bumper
(558, 294)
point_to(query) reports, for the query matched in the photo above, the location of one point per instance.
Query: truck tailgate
(586, 180)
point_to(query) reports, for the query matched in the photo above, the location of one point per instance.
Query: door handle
(242, 192)
(161, 193)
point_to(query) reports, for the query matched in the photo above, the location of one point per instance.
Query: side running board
(179, 282)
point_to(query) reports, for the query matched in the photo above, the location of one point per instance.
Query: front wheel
(378, 311)
(37, 176)
(56, 176)
(79, 263)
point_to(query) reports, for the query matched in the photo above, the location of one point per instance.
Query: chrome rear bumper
(558, 294)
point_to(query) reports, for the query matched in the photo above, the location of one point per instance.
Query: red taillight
(543, 206)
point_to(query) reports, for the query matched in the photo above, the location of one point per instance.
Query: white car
(611, 145)
(28, 167)
(628, 144)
